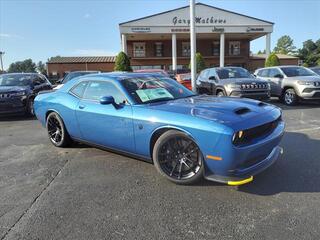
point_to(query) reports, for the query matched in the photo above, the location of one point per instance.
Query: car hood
(243, 80)
(8, 89)
(225, 110)
(305, 78)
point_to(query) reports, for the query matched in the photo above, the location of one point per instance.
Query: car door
(204, 81)
(212, 81)
(275, 81)
(107, 125)
(40, 84)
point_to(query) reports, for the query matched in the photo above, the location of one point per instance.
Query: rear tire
(290, 97)
(57, 132)
(177, 157)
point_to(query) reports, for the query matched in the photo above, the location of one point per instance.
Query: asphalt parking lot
(86, 193)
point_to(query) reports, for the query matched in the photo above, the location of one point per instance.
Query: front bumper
(245, 175)
(251, 94)
(11, 106)
(310, 93)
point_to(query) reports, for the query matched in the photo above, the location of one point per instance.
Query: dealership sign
(199, 20)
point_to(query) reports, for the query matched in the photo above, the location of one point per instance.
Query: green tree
(310, 53)
(285, 46)
(200, 64)
(261, 52)
(122, 63)
(41, 68)
(22, 66)
(272, 60)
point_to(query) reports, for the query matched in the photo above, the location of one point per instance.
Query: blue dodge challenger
(154, 118)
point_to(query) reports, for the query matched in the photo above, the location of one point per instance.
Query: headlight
(237, 137)
(18, 94)
(305, 83)
(234, 86)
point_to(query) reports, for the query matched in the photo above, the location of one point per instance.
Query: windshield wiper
(159, 100)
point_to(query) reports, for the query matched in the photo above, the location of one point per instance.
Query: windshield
(225, 73)
(297, 71)
(72, 75)
(316, 70)
(154, 89)
(15, 80)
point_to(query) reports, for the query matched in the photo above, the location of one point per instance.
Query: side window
(96, 90)
(37, 80)
(78, 90)
(263, 73)
(273, 72)
(211, 73)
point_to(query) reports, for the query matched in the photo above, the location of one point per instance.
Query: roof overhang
(208, 20)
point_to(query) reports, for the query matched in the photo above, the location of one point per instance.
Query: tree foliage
(310, 53)
(122, 63)
(22, 66)
(41, 68)
(272, 60)
(285, 46)
(200, 63)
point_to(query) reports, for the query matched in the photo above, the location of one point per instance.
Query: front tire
(290, 97)
(57, 132)
(30, 108)
(220, 94)
(177, 157)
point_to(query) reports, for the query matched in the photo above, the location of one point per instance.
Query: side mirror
(278, 76)
(107, 100)
(213, 78)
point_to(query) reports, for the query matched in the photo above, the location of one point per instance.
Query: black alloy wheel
(57, 132)
(178, 158)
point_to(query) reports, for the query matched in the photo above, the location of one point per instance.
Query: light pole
(1, 53)
(193, 46)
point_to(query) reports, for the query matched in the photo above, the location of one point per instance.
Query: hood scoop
(242, 110)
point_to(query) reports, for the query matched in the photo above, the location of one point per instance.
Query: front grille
(4, 95)
(253, 133)
(254, 86)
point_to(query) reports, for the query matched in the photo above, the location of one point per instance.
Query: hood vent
(262, 104)
(241, 111)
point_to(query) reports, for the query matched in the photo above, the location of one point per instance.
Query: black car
(18, 90)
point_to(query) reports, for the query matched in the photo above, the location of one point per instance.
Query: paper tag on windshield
(153, 93)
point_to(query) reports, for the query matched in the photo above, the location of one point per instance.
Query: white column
(174, 51)
(124, 43)
(222, 47)
(193, 47)
(268, 44)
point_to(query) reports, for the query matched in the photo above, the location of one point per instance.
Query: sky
(40, 29)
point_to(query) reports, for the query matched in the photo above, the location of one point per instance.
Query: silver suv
(291, 83)
(232, 81)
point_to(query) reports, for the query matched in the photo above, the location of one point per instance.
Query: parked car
(18, 90)
(232, 81)
(159, 71)
(316, 70)
(291, 83)
(72, 75)
(186, 136)
(184, 79)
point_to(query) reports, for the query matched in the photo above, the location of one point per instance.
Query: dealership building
(163, 41)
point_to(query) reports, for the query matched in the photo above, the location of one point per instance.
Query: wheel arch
(161, 130)
(220, 89)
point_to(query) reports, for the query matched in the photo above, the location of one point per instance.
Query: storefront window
(139, 49)
(186, 49)
(159, 49)
(234, 48)
(216, 48)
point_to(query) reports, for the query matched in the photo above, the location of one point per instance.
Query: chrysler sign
(199, 20)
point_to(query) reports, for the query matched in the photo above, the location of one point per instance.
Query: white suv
(291, 83)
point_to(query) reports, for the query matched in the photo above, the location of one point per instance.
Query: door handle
(82, 106)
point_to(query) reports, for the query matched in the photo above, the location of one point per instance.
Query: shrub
(272, 60)
(122, 63)
(200, 64)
